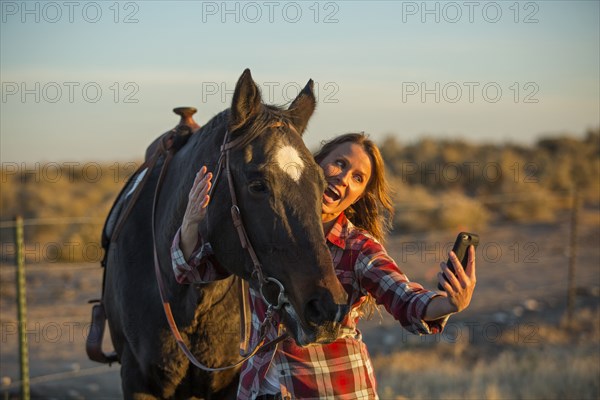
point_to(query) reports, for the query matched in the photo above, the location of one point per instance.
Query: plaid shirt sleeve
(201, 267)
(379, 275)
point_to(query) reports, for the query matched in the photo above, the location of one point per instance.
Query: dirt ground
(522, 276)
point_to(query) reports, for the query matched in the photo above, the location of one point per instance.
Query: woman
(354, 223)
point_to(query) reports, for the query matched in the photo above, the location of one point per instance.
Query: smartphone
(461, 245)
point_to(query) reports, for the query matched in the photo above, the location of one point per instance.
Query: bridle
(257, 272)
(236, 216)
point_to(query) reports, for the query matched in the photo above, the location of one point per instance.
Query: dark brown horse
(279, 189)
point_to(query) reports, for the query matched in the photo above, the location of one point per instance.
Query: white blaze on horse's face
(289, 161)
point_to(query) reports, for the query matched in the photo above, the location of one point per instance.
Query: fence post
(22, 309)
(572, 256)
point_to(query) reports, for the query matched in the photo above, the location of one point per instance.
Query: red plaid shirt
(342, 369)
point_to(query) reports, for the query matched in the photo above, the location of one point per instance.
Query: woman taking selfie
(356, 212)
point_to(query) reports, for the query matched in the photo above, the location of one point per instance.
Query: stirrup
(93, 343)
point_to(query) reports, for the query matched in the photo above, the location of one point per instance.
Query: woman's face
(347, 172)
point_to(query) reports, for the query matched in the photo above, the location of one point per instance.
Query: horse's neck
(203, 148)
(207, 140)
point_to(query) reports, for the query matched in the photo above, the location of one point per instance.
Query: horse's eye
(258, 187)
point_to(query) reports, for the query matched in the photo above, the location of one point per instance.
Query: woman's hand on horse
(459, 286)
(198, 198)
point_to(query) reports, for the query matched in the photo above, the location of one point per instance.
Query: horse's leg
(227, 393)
(133, 381)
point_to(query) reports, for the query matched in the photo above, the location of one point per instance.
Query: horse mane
(269, 116)
(212, 126)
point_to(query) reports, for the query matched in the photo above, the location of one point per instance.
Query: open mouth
(331, 194)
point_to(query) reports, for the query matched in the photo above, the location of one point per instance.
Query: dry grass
(87, 191)
(559, 362)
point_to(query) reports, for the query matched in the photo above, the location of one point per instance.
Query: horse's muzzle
(342, 311)
(330, 331)
(325, 332)
(319, 311)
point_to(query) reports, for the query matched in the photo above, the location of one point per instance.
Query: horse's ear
(303, 107)
(246, 99)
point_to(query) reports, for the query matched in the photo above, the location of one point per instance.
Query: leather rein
(257, 273)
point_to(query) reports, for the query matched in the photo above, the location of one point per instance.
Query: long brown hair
(374, 210)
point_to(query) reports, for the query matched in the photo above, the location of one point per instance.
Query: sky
(97, 80)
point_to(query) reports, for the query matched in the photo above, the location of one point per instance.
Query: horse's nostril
(314, 312)
(342, 310)
(317, 313)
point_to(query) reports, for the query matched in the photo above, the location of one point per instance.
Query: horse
(279, 189)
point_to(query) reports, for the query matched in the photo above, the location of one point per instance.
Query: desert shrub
(461, 212)
(65, 193)
(512, 182)
(418, 210)
(413, 209)
(540, 205)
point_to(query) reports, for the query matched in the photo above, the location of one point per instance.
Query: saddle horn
(186, 117)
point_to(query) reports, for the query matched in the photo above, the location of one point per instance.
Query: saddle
(172, 140)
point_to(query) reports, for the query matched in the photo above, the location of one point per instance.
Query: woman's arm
(379, 275)
(417, 309)
(195, 211)
(458, 288)
(192, 258)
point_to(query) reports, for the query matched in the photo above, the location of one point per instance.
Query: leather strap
(245, 318)
(239, 225)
